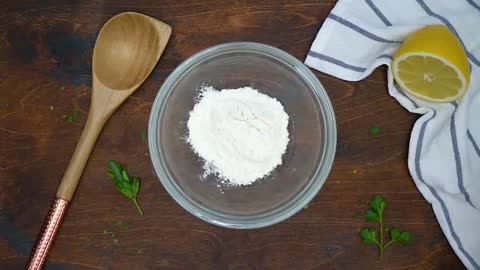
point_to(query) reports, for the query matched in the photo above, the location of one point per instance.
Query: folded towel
(444, 151)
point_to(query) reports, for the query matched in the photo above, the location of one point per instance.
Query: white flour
(240, 133)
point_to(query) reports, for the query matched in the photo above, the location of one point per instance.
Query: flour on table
(241, 134)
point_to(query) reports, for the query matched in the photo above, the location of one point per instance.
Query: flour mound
(240, 133)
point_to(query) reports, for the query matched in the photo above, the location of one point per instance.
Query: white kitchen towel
(444, 154)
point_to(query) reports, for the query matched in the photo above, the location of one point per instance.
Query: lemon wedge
(431, 64)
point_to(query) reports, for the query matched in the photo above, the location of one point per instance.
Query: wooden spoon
(126, 51)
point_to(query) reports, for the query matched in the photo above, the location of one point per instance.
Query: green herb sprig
(127, 185)
(144, 135)
(71, 117)
(375, 214)
(373, 130)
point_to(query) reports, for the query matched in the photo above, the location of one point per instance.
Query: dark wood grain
(47, 45)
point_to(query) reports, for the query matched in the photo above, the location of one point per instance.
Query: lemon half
(431, 64)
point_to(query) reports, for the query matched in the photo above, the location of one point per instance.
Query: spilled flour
(240, 133)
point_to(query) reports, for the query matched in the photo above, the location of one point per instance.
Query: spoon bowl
(127, 49)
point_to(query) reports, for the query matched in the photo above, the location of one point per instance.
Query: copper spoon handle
(47, 234)
(58, 209)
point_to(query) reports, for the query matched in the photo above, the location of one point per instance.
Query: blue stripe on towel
(473, 4)
(360, 30)
(435, 194)
(456, 154)
(335, 61)
(378, 12)
(474, 143)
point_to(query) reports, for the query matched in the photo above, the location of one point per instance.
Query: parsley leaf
(378, 204)
(127, 185)
(404, 238)
(395, 233)
(373, 130)
(143, 135)
(369, 235)
(370, 215)
(71, 117)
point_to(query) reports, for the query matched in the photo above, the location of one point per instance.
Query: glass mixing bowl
(305, 165)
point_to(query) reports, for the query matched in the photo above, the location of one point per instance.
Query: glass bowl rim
(300, 199)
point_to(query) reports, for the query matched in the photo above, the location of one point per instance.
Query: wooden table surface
(45, 58)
